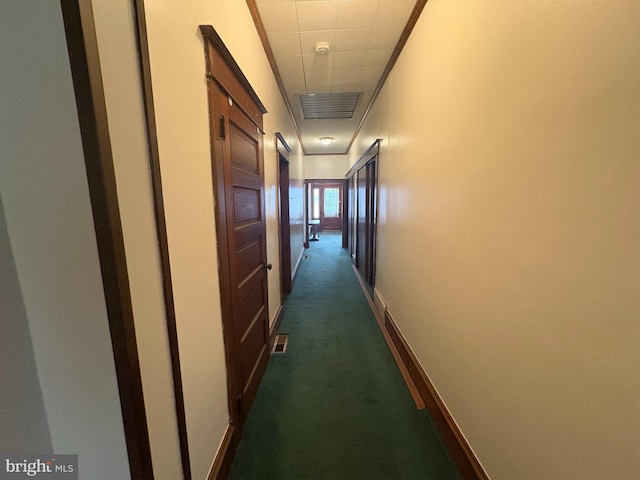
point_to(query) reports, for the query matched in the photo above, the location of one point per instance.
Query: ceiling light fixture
(326, 140)
(322, 48)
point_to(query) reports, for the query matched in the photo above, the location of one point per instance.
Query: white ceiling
(362, 36)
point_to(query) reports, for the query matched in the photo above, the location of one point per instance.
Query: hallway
(334, 405)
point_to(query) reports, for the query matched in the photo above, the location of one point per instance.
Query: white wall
(115, 30)
(326, 166)
(508, 231)
(180, 97)
(50, 225)
(23, 420)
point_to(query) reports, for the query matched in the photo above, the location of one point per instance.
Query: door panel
(248, 249)
(239, 175)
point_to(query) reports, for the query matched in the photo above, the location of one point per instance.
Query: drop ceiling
(329, 94)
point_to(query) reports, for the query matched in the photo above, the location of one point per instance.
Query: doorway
(325, 204)
(235, 114)
(283, 151)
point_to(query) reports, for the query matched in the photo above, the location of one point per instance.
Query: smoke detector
(322, 48)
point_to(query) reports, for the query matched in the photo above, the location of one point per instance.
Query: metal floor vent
(280, 345)
(329, 105)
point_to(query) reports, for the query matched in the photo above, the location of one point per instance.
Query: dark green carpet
(334, 406)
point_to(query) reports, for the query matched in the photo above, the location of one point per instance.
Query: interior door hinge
(239, 403)
(223, 133)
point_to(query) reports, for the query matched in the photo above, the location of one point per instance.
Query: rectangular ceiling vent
(329, 105)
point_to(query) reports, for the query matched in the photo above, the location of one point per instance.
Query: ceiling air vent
(328, 105)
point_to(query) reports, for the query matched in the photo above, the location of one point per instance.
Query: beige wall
(508, 231)
(325, 166)
(115, 29)
(180, 96)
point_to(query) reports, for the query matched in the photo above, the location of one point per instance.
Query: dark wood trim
(463, 456)
(210, 34)
(404, 36)
(284, 144)
(161, 231)
(96, 144)
(224, 457)
(262, 33)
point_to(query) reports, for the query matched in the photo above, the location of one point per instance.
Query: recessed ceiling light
(326, 140)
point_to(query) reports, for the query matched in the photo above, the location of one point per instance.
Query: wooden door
(237, 156)
(325, 201)
(285, 225)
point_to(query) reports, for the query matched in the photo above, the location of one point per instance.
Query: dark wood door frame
(283, 150)
(235, 114)
(324, 182)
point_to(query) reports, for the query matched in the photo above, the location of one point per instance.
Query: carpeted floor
(335, 406)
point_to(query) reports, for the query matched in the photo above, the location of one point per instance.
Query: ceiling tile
(288, 63)
(345, 79)
(317, 15)
(357, 14)
(279, 16)
(377, 57)
(294, 83)
(314, 63)
(384, 38)
(319, 81)
(352, 39)
(394, 13)
(350, 59)
(285, 43)
(308, 40)
(369, 77)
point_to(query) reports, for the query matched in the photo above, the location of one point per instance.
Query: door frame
(324, 181)
(284, 220)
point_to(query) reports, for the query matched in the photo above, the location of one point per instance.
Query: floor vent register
(280, 345)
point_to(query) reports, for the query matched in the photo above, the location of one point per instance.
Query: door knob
(268, 266)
